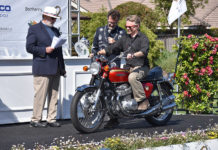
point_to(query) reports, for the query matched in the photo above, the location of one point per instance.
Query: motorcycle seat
(155, 73)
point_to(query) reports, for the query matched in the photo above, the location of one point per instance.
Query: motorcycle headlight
(95, 68)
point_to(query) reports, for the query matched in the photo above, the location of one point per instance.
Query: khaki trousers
(45, 86)
(135, 75)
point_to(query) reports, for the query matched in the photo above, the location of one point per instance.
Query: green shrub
(197, 72)
(167, 61)
(147, 15)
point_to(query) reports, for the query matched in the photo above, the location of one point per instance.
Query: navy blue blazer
(36, 42)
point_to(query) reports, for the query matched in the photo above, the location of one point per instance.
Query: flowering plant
(197, 72)
(130, 141)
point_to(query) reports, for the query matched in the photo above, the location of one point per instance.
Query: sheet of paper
(57, 42)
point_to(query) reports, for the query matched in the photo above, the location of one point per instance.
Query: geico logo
(5, 8)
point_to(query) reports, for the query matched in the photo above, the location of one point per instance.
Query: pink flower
(189, 36)
(195, 45)
(164, 138)
(186, 83)
(185, 93)
(198, 88)
(196, 70)
(193, 55)
(208, 94)
(203, 70)
(214, 51)
(210, 38)
(209, 70)
(191, 59)
(211, 59)
(185, 75)
(216, 38)
(216, 46)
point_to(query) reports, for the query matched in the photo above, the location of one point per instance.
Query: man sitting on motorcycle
(136, 45)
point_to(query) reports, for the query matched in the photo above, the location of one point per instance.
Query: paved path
(22, 133)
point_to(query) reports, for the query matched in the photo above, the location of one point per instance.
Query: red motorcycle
(109, 92)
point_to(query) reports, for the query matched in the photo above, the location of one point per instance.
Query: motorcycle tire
(84, 118)
(162, 118)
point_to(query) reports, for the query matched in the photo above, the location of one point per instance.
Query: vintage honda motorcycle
(109, 92)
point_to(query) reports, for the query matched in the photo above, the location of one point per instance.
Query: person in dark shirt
(108, 34)
(136, 46)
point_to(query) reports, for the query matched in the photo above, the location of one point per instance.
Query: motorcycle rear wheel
(84, 118)
(161, 118)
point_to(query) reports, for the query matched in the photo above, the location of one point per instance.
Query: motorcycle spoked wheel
(161, 118)
(84, 118)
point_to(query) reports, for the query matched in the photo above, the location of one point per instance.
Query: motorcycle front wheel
(84, 116)
(161, 118)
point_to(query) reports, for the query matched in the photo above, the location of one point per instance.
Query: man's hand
(49, 50)
(102, 52)
(130, 56)
(91, 55)
(111, 40)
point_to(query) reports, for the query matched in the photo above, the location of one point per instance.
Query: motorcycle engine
(127, 102)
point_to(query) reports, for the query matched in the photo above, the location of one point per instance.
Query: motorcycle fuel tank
(118, 75)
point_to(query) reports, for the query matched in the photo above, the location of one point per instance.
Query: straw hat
(51, 12)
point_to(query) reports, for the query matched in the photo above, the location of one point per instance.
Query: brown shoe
(143, 105)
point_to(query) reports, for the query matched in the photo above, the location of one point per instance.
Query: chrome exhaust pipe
(151, 111)
(169, 99)
(169, 106)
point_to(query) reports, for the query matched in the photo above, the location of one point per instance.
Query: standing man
(48, 66)
(136, 45)
(108, 34)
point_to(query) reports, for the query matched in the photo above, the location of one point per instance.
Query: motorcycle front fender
(84, 87)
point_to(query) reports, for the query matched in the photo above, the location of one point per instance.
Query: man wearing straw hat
(47, 67)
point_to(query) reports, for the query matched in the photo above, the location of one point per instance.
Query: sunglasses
(132, 26)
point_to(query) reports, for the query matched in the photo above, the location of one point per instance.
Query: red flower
(186, 82)
(211, 59)
(189, 95)
(185, 75)
(193, 55)
(210, 38)
(203, 70)
(189, 36)
(185, 93)
(196, 70)
(195, 45)
(214, 51)
(198, 88)
(209, 70)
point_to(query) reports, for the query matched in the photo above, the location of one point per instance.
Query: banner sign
(15, 18)
(178, 8)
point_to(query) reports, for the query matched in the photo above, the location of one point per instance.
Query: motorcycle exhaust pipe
(169, 106)
(157, 107)
(168, 100)
(151, 111)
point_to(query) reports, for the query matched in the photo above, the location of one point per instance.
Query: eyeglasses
(132, 26)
